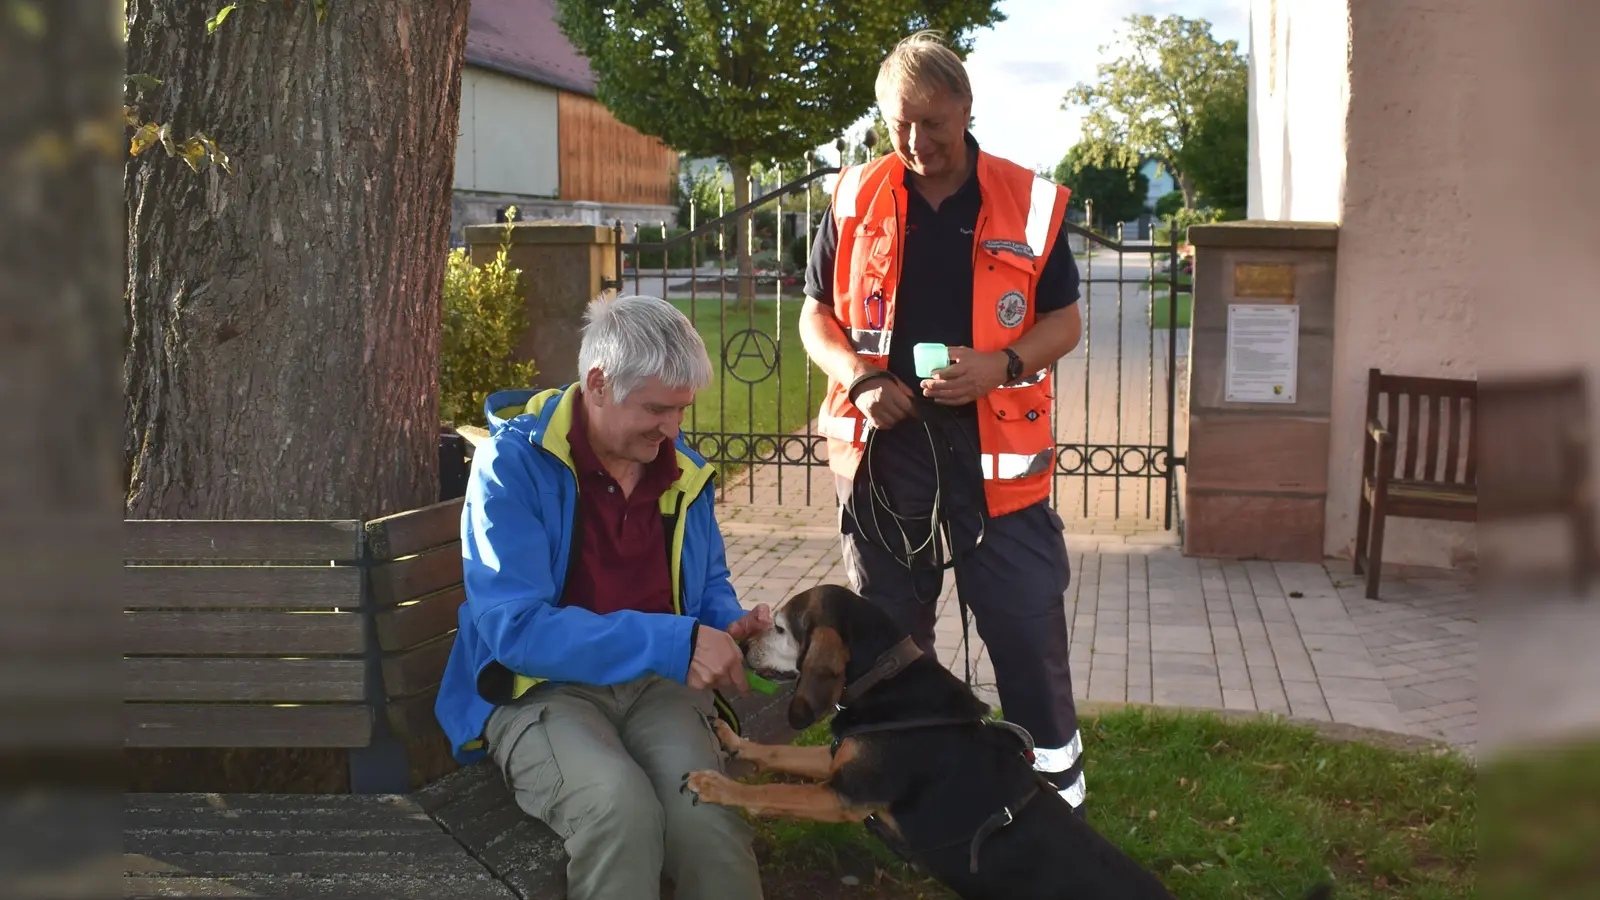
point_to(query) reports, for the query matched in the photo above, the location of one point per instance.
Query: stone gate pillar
(1260, 390)
(563, 266)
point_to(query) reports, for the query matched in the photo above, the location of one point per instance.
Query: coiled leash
(938, 544)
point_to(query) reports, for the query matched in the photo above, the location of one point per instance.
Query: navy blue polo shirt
(934, 300)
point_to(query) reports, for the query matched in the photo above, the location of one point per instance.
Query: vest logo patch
(1017, 247)
(1011, 309)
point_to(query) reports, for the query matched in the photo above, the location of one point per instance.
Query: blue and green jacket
(517, 527)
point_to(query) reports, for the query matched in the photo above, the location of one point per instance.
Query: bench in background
(1418, 459)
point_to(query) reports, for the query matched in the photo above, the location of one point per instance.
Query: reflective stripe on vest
(872, 341)
(839, 428)
(1011, 466)
(1040, 207)
(846, 192)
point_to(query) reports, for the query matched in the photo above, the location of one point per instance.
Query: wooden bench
(1418, 459)
(327, 634)
(1537, 452)
(294, 634)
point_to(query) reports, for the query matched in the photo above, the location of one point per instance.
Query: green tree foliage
(1151, 100)
(1169, 204)
(484, 315)
(751, 80)
(1219, 152)
(1118, 190)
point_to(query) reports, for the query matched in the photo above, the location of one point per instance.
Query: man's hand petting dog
(718, 661)
(751, 623)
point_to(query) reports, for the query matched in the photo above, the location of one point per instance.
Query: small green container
(760, 684)
(930, 358)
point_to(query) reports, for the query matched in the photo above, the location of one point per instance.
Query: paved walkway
(1152, 626)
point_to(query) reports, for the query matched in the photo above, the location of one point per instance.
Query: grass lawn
(1218, 809)
(1160, 315)
(732, 405)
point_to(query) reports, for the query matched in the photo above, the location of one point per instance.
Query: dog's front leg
(812, 802)
(815, 763)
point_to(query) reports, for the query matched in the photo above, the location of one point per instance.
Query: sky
(1021, 68)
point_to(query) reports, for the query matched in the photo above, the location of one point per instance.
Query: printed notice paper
(1263, 352)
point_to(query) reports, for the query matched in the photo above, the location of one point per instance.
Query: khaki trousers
(602, 766)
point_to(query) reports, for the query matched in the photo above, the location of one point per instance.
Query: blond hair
(921, 65)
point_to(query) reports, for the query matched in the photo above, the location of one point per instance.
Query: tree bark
(282, 352)
(741, 238)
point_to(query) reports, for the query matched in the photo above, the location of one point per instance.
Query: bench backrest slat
(413, 531)
(166, 679)
(207, 725)
(417, 669)
(416, 576)
(416, 594)
(400, 627)
(1417, 411)
(242, 587)
(246, 540)
(234, 633)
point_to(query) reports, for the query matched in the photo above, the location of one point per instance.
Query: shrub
(1183, 218)
(484, 315)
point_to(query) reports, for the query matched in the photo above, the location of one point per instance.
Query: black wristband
(850, 391)
(1013, 365)
(694, 635)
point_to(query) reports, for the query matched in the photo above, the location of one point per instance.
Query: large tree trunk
(1186, 184)
(741, 240)
(283, 332)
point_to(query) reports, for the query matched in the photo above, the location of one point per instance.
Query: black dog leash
(945, 557)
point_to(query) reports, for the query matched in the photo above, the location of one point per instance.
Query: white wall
(509, 136)
(1297, 164)
(1407, 266)
(1359, 115)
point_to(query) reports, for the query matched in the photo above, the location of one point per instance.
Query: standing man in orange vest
(940, 242)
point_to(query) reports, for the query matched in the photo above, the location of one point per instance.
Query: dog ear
(821, 677)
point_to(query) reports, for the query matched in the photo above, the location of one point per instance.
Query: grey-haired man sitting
(600, 617)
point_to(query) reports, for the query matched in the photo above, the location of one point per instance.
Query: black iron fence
(1115, 409)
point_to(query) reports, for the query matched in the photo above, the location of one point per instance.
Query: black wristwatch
(1013, 366)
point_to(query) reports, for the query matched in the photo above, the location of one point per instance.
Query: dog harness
(892, 663)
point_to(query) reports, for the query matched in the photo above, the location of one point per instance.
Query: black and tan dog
(917, 759)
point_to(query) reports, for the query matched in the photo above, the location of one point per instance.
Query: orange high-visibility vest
(1018, 222)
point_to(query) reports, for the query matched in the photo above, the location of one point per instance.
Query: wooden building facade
(532, 135)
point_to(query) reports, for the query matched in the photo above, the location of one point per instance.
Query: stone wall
(477, 208)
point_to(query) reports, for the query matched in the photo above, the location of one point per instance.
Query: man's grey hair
(920, 66)
(631, 338)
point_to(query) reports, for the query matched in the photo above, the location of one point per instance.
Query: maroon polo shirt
(622, 542)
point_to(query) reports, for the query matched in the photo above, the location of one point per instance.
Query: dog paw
(731, 743)
(707, 785)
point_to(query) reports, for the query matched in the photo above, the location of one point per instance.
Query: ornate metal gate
(1115, 407)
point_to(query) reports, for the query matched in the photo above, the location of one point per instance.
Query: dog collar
(888, 665)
